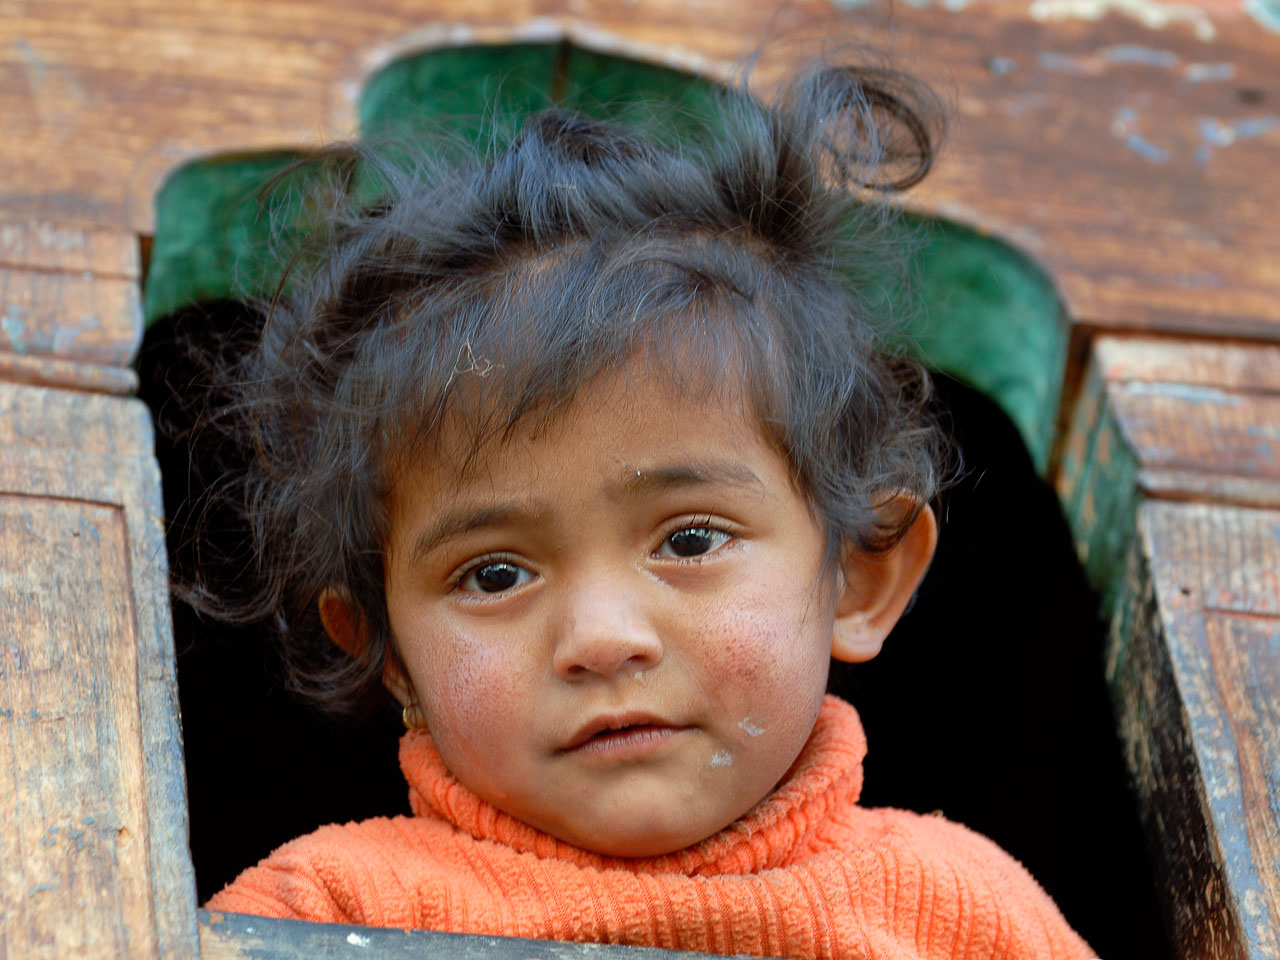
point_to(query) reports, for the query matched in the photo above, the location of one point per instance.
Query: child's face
(618, 629)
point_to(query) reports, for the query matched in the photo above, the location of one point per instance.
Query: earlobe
(874, 589)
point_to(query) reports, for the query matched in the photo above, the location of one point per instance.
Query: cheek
(767, 651)
(466, 685)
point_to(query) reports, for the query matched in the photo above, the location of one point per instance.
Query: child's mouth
(627, 743)
(621, 738)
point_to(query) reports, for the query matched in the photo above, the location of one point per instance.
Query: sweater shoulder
(980, 876)
(341, 873)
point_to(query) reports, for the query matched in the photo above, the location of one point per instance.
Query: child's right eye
(495, 576)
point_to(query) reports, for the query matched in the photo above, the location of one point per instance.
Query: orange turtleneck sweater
(806, 873)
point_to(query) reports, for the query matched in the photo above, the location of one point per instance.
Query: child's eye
(494, 577)
(693, 542)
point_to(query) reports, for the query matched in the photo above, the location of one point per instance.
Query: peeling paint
(1215, 133)
(1124, 129)
(1146, 56)
(1209, 72)
(13, 327)
(1129, 55)
(1153, 14)
(1068, 63)
(1184, 391)
(1266, 12)
(1146, 149)
(64, 336)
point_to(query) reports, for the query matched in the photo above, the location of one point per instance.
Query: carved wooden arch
(1131, 154)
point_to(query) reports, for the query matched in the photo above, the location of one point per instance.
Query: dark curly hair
(495, 287)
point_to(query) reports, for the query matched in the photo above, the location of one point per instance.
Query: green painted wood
(214, 233)
(971, 305)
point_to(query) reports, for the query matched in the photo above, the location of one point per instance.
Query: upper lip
(613, 721)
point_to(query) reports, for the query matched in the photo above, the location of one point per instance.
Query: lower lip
(633, 743)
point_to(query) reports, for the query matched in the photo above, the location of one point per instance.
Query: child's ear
(875, 588)
(342, 621)
(341, 618)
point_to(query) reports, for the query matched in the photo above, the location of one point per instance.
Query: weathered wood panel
(1194, 665)
(1164, 423)
(77, 829)
(1129, 154)
(235, 936)
(1242, 367)
(70, 305)
(91, 781)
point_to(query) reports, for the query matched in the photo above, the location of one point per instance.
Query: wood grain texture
(1170, 420)
(52, 372)
(1179, 428)
(70, 305)
(1130, 161)
(40, 244)
(1193, 664)
(91, 779)
(1242, 367)
(233, 936)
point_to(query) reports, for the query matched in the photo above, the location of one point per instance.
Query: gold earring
(411, 718)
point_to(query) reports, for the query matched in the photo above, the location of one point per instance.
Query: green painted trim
(213, 235)
(1103, 507)
(991, 317)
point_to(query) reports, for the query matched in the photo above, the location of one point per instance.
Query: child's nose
(603, 631)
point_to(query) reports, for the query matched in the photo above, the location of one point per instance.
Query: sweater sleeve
(984, 904)
(338, 874)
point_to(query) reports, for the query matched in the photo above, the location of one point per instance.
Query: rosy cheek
(472, 687)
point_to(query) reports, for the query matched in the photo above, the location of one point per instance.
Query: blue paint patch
(1266, 12)
(14, 327)
(1001, 66)
(1209, 72)
(1185, 391)
(39, 888)
(1257, 127)
(1146, 149)
(1219, 133)
(1065, 63)
(1132, 53)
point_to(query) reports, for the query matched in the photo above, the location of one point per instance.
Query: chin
(659, 839)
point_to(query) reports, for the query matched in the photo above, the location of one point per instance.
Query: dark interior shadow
(988, 702)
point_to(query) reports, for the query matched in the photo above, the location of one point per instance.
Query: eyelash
(460, 577)
(704, 523)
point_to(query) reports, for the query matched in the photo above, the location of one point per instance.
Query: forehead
(628, 434)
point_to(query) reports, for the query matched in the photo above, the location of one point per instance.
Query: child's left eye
(692, 542)
(496, 576)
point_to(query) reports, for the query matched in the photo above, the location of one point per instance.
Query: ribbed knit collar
(781, 829)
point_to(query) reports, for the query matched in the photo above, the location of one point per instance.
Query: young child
(590, 455)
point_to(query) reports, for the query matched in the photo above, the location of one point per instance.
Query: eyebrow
(657, 479)
(456, 523)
